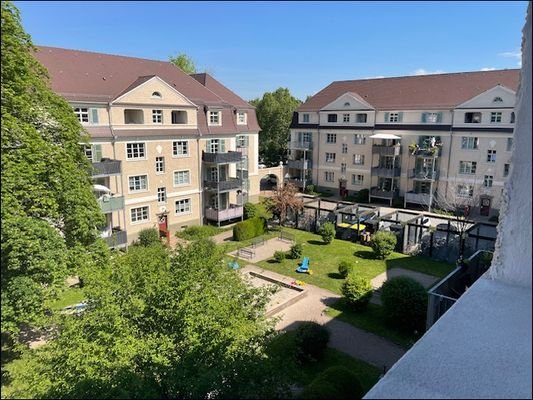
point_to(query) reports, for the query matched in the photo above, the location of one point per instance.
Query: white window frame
(329, 176)
(467, 167)
(360, 157)
(461, 192)
(336, 118)
(88, 150)
(468, 144)
(358, 116)
(176, 149)
(495, 117)
(141, 221)
(81, 114)
(344, 148)
(214, 118)
(138, 190)
(331, 138)
(242, 118)
(157, 117)
(305, 118)
(188, 171)
(345, 118)
(488, 180)
(343, 168)
(431, 117)
(161, 195)
(144, 157)
(330, 157)
(359, 139)
(185, 201)
(491, 156)
(394, 117)
(357, 182)
(159, 165)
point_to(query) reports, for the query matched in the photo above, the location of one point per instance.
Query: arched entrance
(269, 182)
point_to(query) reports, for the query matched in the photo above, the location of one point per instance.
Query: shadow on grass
(335, 275)
(316, 242)
(273, 261)
(367, 255)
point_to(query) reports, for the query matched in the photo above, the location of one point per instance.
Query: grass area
(371, 320)
(69, 297)
(283, 346)
(196, 232)
(234, 245)
(324, 261)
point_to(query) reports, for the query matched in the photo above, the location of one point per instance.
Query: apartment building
(414, 137)
(169, 150)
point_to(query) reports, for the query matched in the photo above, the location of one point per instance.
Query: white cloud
(422, 71)
(513, 54)
(487, 69)
(374, 77)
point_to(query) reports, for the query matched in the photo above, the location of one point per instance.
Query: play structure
(304, 266)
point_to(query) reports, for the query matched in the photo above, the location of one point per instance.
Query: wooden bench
(258, 242)
(286, 236)
(246, 252)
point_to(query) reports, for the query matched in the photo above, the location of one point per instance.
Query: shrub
(279, 256)
(197, 232)
(310, 341)
(404, 303)
(345, 267)
(327, 231)
(383, 244)
(310, 189)
(248, 229)
(257, 210)
(250, 210)
(362, 196)
(357, 291)
(334, 383)
(296, 251)
(148, 237)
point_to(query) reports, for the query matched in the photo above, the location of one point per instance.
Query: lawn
(69, 297)
(234, 245)
(324, 260)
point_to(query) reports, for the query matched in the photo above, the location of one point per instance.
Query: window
(467, 167)
(330, 157)
(179, 117)
(133, 117)
(241, 118)
(138, 183)
(216, 146)
(180, 148)
(470, 143)
(160, 165)
(139, 214)
(157, 116)
(135, 151)
(82, 114)
(506, 168)
(305, 117)
(393, 117)
(345, 117)
(422, 187)
(182, 178)
(331, 138)
(487, 181)
(359, 139)
(183, 206)
(213, 174)
(495, 117)
(344, 148)
(214, 118)
(491, 156)
(358, 159)
(88, 150)
(156, 95)
(242, 141)
(472, 118)
(347, 104)
(357, 180)
(465, 190)
(343, 168)
(512, 118)
(329, 176)
(360, 118)
(304, 137)
(332, 117)
(430, 117)
(509, 144)
(497, 99)
(161, 195)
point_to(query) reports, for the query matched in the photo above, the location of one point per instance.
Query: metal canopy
(385, 136)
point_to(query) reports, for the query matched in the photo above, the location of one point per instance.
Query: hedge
(383, 243)
(357, 291)
(248, 229)
(310, 341)
(334, 383)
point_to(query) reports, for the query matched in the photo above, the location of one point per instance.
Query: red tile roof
(416, 92)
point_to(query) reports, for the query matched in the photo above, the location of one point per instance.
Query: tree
(159, 325)
(357, 291)
(184, 62)
(274, 114)
(49, 212)
(283, 200)
(327, 231)
(383, 243)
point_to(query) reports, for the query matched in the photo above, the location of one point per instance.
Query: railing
(111, 203)
(423, 175)
(298, 182)
(384, 194)
(222, 158)
(117, 239)
(242, 173)
(418, 198)
(243, 150)
(428, 152)
(386, 172)
(234, 211)
(301, 145)
(386, 150)
(300, 164)
(228, 184)
(106, 168)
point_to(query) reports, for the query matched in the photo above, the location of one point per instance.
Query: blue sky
(255, 47)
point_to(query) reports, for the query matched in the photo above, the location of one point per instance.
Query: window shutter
(94, 116)
(400, 116)
(97, 152)
(439, 118)
(424, 117)
(386, 117)
(222, 146)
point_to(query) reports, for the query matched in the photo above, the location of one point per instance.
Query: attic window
(346, 104)
(156, 95)
(497, 100)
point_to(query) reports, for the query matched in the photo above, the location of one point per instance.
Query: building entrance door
(485, 206)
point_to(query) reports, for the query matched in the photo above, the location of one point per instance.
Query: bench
(246, 252)
(258, 242)
(286, 236)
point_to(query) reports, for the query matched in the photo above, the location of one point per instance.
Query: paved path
(377, 282)
(225, 236)
(266, 250)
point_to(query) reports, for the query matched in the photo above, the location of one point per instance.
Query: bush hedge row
(248, 229)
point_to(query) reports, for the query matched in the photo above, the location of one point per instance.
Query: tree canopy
(184, 62)
(274, 114)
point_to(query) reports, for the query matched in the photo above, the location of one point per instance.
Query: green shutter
(424, 118)
(386, 117)
(222, 146)
(97, 152)
(439, 118)
(93, 116)
(400, 116)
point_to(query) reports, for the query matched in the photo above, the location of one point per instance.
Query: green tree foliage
(405, 303)
(279, 255)
(327, 231)
(158, 325)
(295, 251)
(274, 114)
(49, 212)
(383, 243)
(149, 236)
(334, 383)
(249, 229)
(252, 210)
(183, 62)
(345, 267)
(310, 341)
(357, 291)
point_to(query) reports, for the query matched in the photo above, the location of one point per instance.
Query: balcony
(383, 150)
(423, 175)
(428, 152)
(234, 211)
(223, 186)
(382, 194)
(242, 174)
(417, 198)
(106, 167)
(243, 150)
(386, 172)
(300, 164)
(299, 183)
(118, 238)
(222, 158)
(109, 204)
(301, 145)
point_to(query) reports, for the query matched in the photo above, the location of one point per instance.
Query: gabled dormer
(347, 110)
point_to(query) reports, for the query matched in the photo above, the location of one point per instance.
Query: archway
(269, 182)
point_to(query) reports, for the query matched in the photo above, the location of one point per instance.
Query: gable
(486, 99)
(348, 101)
(142, 94)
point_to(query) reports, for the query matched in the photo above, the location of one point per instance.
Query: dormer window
(497, 99)
(241, 118)
(472, 118)
(306, 118)
(156, 95)
(214, 118)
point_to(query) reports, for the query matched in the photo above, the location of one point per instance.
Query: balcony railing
(117, 239)
(228, 184)
(382, 194)
(299, 182)
(222, 158)
(417, 198)
(234, 211)
(106, 168)
(111, 203)
(301, 145)
(423, 175)
(428, 152)
(242, 150)
(242, 173)
(383, 150)
(386, 172)
(300, 164)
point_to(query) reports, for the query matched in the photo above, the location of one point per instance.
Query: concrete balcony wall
(222, 158)
(232, 212)
(423, 175)
(228, 184)
(383, 194)
(386, 150)
(106, 168)
(386, 172)
(110, 204)
(417, 198)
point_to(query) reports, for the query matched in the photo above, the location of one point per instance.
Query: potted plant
(413, 147)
